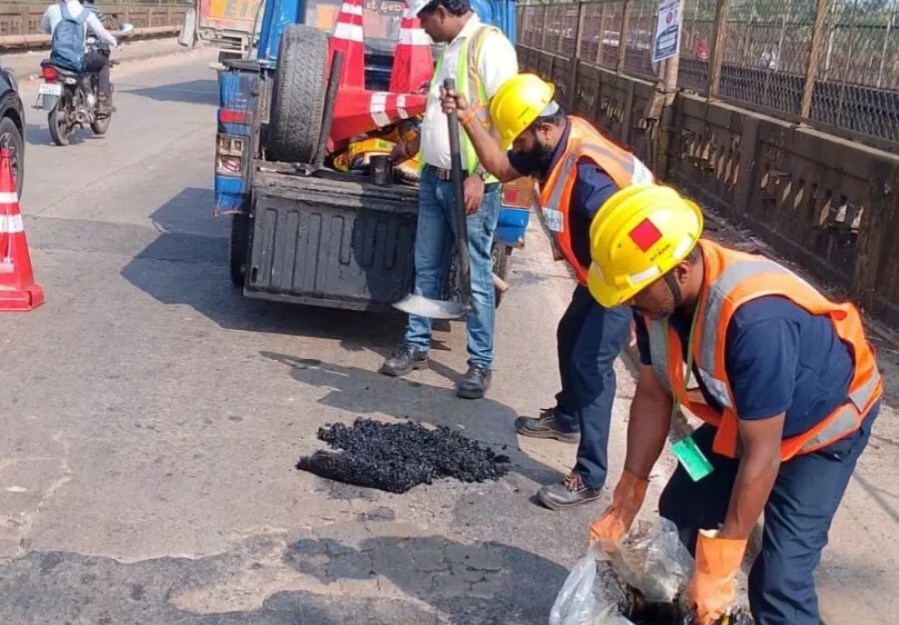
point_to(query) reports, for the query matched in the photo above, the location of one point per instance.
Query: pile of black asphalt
(396, 457)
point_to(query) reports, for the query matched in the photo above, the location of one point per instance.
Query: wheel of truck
(238, 244)
(500, 255)
(298, 94)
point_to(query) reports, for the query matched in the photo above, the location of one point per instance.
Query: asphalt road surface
(153, 416)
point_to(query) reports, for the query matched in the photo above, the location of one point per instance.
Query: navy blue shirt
(591, 190)
(779, 358)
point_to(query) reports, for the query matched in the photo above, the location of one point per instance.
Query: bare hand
(474, 193)
(453, 101)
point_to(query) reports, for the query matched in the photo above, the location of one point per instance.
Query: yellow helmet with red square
(641, 233)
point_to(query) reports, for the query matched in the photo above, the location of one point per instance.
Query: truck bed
(330, 240)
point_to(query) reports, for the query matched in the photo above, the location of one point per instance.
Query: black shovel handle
(458, 180)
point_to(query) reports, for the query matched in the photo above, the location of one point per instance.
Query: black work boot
(547, 425)
(405, 360)
(474, 383)
(567, 494)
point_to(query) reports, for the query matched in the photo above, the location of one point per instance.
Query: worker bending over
(788, 388)
(578, 169)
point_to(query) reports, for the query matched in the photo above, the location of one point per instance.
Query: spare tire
(298, 94)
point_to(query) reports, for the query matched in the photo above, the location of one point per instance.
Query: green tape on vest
(691, 458)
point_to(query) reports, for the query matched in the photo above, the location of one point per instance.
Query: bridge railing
(828, 63)
(19, 21)
(828, 203)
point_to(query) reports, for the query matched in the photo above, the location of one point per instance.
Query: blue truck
(302, 232)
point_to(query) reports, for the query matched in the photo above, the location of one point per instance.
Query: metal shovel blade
(432, 308)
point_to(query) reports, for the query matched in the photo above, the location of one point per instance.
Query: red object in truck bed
(359, 111)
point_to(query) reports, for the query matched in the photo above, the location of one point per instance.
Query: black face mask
(539, 159)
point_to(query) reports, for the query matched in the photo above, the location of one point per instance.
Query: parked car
(12, 123)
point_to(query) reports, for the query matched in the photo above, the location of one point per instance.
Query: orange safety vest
(584, 141)
(732, 279)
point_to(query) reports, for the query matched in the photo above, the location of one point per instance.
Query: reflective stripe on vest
(466, 76)
(584, 141)
(727, 275)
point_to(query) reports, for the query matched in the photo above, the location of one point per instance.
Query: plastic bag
(650, 567)
(653, 560)
(584, 600)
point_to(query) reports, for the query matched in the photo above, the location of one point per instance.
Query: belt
(441, 174)
(446, 175)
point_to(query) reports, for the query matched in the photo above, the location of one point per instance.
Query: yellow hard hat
(518, 103)
(641, 233)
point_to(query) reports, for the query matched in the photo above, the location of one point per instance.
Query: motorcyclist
(91, 6)
(94, 60)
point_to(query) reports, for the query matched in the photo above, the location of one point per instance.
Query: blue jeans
(589, 339)
(798, 514)
(434, 245)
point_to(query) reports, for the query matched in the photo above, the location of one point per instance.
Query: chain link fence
(831, 63)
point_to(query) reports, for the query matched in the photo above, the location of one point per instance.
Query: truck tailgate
(333, 241)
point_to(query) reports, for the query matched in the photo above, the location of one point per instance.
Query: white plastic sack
(582, 601)
(653, 560)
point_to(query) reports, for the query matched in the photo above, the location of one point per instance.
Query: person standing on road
(94, 61)
(788, 387)
(578, 169)
(480, 59)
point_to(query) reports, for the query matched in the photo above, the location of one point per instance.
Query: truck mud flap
(333, 243)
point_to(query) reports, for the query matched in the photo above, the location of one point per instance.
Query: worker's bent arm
(650, 420)
(492, 157)
(756, 475)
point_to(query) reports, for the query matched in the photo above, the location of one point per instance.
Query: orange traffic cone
(358, 111)
(413, 65)
(348, 38)
(18, 290)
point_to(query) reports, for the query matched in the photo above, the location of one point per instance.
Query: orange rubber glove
(618, 518)
(713, 590)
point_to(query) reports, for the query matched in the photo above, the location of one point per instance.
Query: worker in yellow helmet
(788, 388)
(578, 168)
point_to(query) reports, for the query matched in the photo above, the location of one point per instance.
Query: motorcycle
(71, 99)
